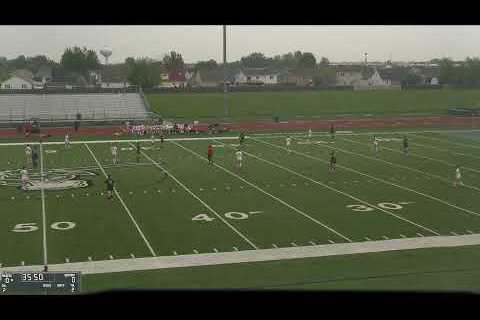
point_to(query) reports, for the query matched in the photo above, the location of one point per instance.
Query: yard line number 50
(30, 227)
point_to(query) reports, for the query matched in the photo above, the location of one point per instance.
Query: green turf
(295, 200)
(320, 104)
(440, 269)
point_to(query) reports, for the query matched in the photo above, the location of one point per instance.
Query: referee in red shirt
(210, 154)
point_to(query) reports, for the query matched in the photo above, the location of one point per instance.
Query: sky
(198, 43)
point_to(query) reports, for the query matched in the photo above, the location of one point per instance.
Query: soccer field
(169, 202)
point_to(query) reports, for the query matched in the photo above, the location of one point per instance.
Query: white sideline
(111, 141)
(44, 215)
(269, 194)
(201, 201)
(206, 259)
(147, 243)
(379, 179)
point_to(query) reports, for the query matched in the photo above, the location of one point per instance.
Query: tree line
(79, 63)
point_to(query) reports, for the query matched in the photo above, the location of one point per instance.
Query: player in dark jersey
(332, 132)
(34, 157)
(333, 161)
(138, 150)
(162, 139)
(405, 145)
(110, 185)
(242, 137)
(210, 154)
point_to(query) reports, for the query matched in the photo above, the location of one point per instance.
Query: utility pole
(225, 88)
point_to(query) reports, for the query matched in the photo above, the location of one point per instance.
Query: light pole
(225, 106)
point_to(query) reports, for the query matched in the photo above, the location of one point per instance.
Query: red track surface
(295, 125)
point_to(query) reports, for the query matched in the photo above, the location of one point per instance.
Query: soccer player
(153, 140)
(138, 149)
(67, 141)
(114, 149)
(288, 141)
(405, 145)
(375, 144)
(458, 177)
(210, 154)
(333, 161)
(242, 137)
(24, 178)
(35, 158)
(309, 135)
(28, 153)
(332, 132)
(238, 159)
(110, 185)
(162, 138)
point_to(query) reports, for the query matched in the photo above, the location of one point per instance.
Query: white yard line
(249, 256)
(380, 179)
(44, 215)
(343, 193)
(268, 194)
(449, 181)
(201, 201)
(421, 156)
(147, 243)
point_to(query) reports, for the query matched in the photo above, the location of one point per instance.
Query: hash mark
(368, 239)
(454, 233)
(111, 257)
(67, 260)
(469, 231)
(195, 250)
(420, 235)
(403, 236)
(331, 241)
(132, 255)
(385, 237)
(175, 253)
(294, 244)
(89, 258)
(235, 248)
(313, 243)
(23, 263)
(274, 245)
(215, 249)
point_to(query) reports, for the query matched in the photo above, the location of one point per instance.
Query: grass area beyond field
(312, 104)
(277, 199)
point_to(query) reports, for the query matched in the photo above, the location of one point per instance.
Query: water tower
(106, 52)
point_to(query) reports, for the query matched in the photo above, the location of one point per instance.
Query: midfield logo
(54, 179)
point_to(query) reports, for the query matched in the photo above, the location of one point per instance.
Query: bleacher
(65, 107)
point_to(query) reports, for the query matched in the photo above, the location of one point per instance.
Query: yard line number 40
(30, 227)
(234, 215)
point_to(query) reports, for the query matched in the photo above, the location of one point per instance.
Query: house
(296, 77)
(395, 76)
(259, 76)
(430, 75)
(173, 80)
(362, 77)
(20, 80)
(212, 78)
(44, 74)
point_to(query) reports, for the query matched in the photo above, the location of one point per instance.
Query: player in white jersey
(458, 177)
(309, 134)
(376, 144)
(114, 149)
(288, 141)
(152, 138)
(28, 153)
(24, 178)
(238, 159)
(67, 141)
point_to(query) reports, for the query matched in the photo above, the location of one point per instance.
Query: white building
(256, 76)
(18, 83)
